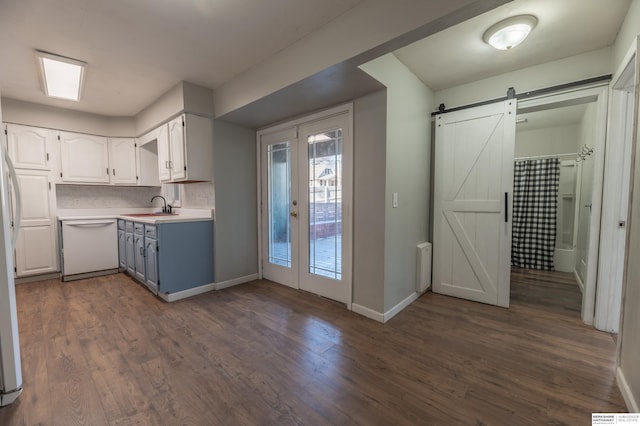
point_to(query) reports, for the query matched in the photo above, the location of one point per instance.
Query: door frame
(599, 93)
(623, 108)
(347, 192)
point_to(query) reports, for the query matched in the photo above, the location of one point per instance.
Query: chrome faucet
(164, 207)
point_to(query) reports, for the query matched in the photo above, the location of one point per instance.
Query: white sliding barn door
(472, 204)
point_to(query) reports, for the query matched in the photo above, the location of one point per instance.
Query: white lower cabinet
(36, 251)
(36, 245)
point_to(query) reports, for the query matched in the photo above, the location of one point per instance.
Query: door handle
(294, 213)
(506, 207)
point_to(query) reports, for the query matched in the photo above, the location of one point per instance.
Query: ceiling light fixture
(510, 32)
(61, 77)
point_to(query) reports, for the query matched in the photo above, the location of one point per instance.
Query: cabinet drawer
(121, 224)
(150, 231)
(138, 228)
(128, 226)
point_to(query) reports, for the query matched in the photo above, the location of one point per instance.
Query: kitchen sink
(148, 214)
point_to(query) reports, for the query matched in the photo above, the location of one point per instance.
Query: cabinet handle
(114, 171)
(166, 164)
(141, 251)
(170, 164)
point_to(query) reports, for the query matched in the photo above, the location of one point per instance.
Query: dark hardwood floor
(106, 351)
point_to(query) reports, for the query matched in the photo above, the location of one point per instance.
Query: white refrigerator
(10, 368)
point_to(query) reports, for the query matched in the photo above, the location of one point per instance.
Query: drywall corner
(197, 99)
(235, 177)
(407, 173)
(167, 106)
(369, 141)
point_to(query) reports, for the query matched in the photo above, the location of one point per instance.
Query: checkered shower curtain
(535, 204)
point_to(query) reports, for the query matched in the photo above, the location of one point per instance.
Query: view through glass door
(305, 185)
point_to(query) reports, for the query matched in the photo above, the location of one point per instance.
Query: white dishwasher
(89, 247)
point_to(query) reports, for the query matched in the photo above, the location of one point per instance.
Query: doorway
(305, 198)
(557, 138)
(461, 239)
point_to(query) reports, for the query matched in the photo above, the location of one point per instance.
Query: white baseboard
(580, 283)
(400, 306)
(172, 297)
(384, 317)
(369, 313)
(35, 278)
(625, 390)
(241, 280)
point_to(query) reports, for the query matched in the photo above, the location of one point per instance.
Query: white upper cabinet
(164, 170)
(185, 149)
(177, 162)
(29, 147)
(147, 157)
(122, 161)
(84, 158)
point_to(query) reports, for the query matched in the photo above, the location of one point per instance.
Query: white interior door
(305, 206)
(472, 203)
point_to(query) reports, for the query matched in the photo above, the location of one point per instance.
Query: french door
(472, 202)
(306, 206)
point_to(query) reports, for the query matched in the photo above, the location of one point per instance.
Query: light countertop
(182, 215)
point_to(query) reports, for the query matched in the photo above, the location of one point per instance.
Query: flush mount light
(61, 77)
(510, 32)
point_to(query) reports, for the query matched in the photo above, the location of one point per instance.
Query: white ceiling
(136, 50)
(457, 55)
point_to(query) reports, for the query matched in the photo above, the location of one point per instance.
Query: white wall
(369, 174)
(236, 227)
(629, 30)
(629, 338)
(30, 114)
(183, 97)
(408, 163)
(579, 67)
(547, 141)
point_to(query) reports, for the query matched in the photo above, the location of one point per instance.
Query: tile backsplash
(100, 197)
(198, 195)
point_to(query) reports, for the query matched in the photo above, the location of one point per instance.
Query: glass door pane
(325, 204)
(279, 199)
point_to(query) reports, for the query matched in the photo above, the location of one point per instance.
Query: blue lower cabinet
(171, 257)
(122, 250)
(185, 255)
